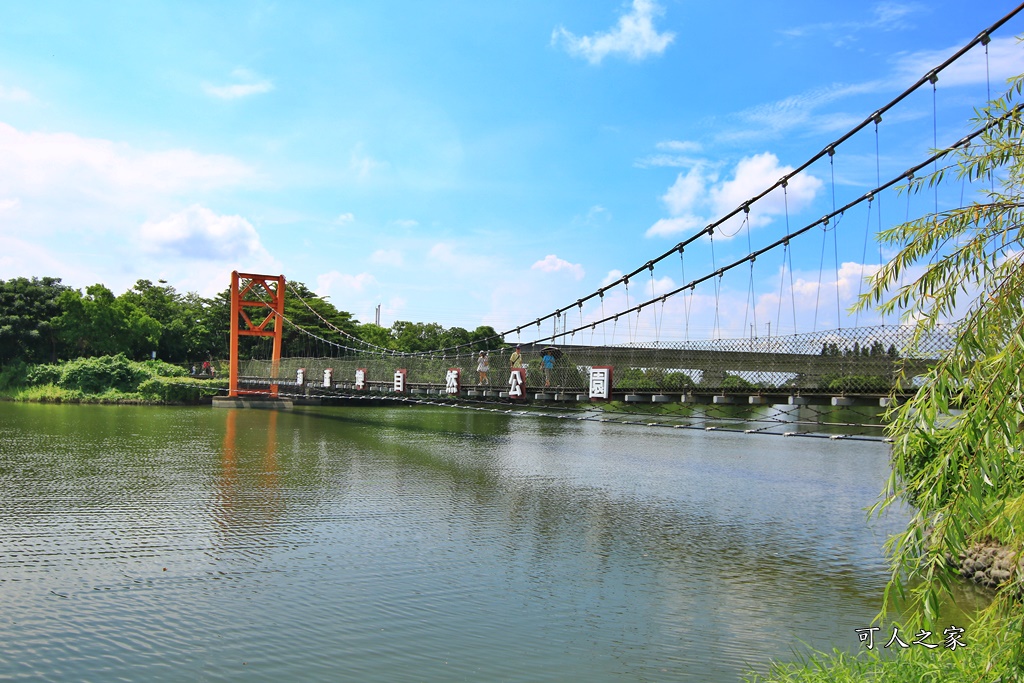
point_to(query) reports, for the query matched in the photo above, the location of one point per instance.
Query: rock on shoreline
(990, 564)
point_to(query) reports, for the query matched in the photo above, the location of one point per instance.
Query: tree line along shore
(58, 343)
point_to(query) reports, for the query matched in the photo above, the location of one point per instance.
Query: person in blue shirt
(548, 361)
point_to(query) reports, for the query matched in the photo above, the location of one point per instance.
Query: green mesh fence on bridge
(860, 361)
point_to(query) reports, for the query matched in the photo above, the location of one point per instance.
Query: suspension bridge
(829, 381)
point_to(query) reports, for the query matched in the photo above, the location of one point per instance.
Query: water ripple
(404, 544)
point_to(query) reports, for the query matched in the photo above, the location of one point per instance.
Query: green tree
(964, 472)
(206, 333)
(163, 304)
(412, 337)
(318, 317)
(484, 338)
(374, 334)
(27, 310)
(98, 324)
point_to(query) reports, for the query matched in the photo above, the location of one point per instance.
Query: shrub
(96, 375)
(13, 374)
(176, 390)
(736, 382)
(677, 380)
(159, 368)
(41, 375)
(844, 383)
(634, 378)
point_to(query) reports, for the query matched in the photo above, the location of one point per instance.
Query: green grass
(982, 660)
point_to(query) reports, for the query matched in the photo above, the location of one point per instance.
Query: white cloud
(696, 194)
(595, 215)
(553, 264)
(363, 165)
(388, 257)
(686, 191)
(798, 112)
(249, 84)
(456, 263)
(634, 36)
(442, 254)
(666, 227)
(21, 258)
(334, 283)
(83, 201)
(679, 146)
(1005, 56)
(8, 94)
(63, 167)
(199, 233)
(884, 16)
(405, 222)
(613, 276)
(673, 153)
(752, 176)
(658, 286)
(802, 111)
(345, 218)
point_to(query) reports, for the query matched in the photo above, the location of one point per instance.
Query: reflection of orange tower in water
(236, 507)
(264, 292)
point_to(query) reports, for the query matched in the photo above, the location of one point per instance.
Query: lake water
(422, 544)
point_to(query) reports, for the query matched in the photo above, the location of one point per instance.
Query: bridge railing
(874, 360)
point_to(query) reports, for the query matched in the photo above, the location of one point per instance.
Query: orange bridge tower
(266, 293)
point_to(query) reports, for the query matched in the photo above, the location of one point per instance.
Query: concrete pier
(260, 402)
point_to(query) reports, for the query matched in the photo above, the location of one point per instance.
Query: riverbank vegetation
(962, 470)
(43, 320)
(104, 379)
(52, 336)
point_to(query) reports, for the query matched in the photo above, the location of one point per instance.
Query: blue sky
(471, 163)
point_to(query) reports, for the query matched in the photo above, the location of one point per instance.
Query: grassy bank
(986, 656)
(105, 379)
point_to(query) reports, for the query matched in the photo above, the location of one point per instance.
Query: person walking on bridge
(483, 365)
(516, 359)
(549, 364)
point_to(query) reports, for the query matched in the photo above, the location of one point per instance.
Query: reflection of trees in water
(548, 512)
(450, 477)
(743, 417)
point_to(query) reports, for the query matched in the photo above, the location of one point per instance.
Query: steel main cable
(908, 175)
(983, 38)
(332, 325)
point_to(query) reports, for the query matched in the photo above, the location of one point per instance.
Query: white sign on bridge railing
(360, 378)
(400, 381)
(600, 383)
(517, 383)
(451, 381)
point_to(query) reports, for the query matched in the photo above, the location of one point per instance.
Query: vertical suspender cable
(864, 256)
(718, 282)
(782, 282)
(985, 40)
(878, 183)
(629, 326)
(792, 291)
(935, 135)
(785, 251)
